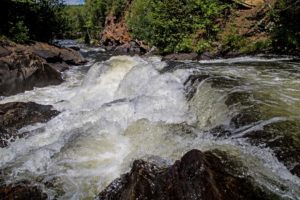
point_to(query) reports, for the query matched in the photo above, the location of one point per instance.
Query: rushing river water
(127, 108)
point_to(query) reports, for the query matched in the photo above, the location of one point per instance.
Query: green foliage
(257, 46)
(38, 20)
(286, 33)
(202, 45)
(169, 24)
(96, 14)
(233, 40)
(20, 32)
(116, 7)
(185, 45)
(76, 18)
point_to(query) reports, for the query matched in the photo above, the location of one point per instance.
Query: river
(118, 109)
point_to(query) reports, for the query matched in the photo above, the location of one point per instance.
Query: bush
(38, 20)
(76, 18)
(20, 32)
(171, 24)
(286, 34)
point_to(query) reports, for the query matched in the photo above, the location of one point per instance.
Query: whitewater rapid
(122, 109)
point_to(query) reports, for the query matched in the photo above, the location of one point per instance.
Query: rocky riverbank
(23, 67)
(16, 115)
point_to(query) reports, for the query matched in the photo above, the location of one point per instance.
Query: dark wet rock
(71, 57)
(125, 48)
(60, 67)
(206, 56)
(181, 56)
(129, 48)
(283, 138)
(296, 170)
(21, 191)
(218, 82)
(76, 48)
(197, 175)
(20, 72)
(4, 52)
(34, 65)
(49, 56)
(239, 97)
(16, 115)
(59, 55)
(247, 116)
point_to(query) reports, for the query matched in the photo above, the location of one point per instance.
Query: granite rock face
(21, 191)
(16, 115)
(23, 67)
(198, 175)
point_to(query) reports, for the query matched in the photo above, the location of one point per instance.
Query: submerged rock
(252, 120)
(21, 191)
(14, 116)
(283, 137)
(197, 175)
(280, 134)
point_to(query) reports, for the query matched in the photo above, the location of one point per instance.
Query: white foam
(122, 109)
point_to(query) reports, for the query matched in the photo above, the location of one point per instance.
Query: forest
(171, 26)
(150, 99)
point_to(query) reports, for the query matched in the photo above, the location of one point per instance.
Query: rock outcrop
(23, 67)
(116, 37)
(21, 191)
(16, 115)
(4, 52)
(197, 175)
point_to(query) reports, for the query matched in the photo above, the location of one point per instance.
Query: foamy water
(124, 109)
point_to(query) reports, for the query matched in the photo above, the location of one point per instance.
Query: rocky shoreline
(23, 67)
(197, 175)
(16, 115)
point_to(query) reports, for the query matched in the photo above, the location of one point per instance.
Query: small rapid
(131, 107)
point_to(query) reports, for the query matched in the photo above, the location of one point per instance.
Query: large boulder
(54, 54)
(16, 115)
(23, 67)
(21, 191)
(198, 175)
(23, 71)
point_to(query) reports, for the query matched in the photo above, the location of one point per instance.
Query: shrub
(286, 33)
(39, 20)
(169, 24)
(20, 32)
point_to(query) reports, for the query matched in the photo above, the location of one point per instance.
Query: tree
(171, 24)
(44, 19)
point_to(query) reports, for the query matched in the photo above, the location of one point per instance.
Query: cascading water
(129, 108)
